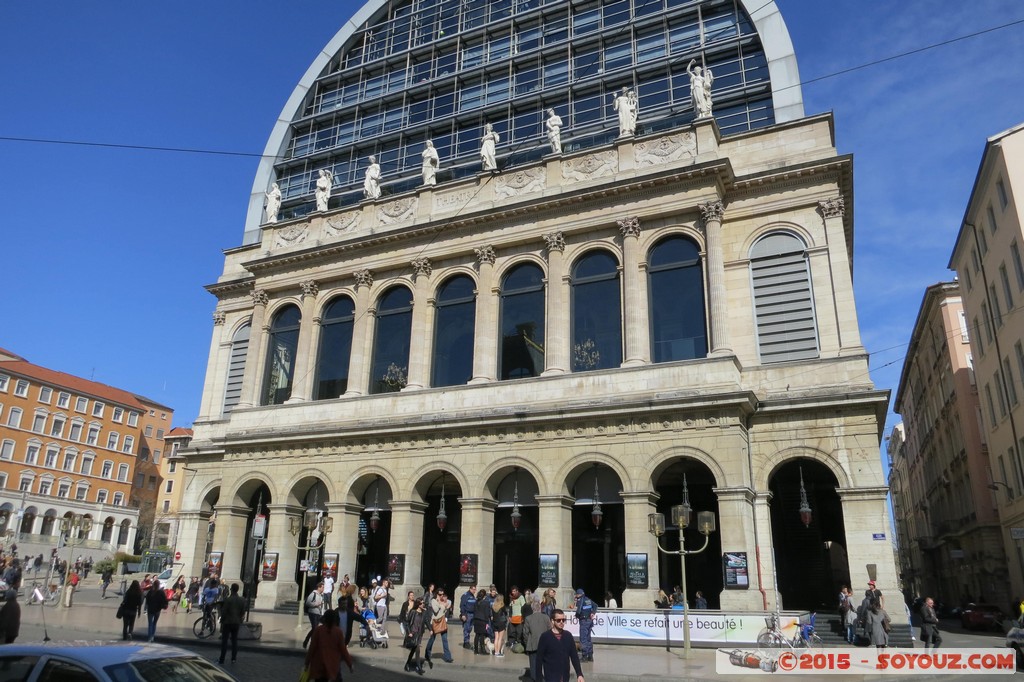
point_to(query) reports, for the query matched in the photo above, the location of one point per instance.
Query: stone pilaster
(556, 346)
(763, 522)
(252, 378)
(478, 535)
(711, 214)
(191, 540)
(229, 537)
(866, 513)
(638, 335)
(304, 358)
(736, 527)
(219, 349)
(422, 327)
(639, 541)
(555, 514)
(841, 267)
(362, 337)
(407, 536)
(345, 538)
(485, 346)
(279, 539)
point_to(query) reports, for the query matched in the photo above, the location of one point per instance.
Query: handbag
(439, 626)
(120, 611)
(304, 675)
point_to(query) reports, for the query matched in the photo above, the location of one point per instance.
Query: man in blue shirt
(467, 607)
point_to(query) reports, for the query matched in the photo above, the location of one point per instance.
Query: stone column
(635, 317)
(191, 540)
(359, 363)
(229, 537)
(422, 340)
(639, 541)
(478, 535)
(253, 378)
(865, 513)
(345, 536)
(763, 518)
(219, 347)
(555, 515)
(272, 593)
(841, 266)
(711, 213)
(407, 536)
(305, 362)
(485, 346)
(736, 527)
(556, 345)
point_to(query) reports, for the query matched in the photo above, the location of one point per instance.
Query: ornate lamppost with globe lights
(312, 520)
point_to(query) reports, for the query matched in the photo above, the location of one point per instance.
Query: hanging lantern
(442, 518)
(517, 517)
(596, 514)
(805, 508)
(375, 516)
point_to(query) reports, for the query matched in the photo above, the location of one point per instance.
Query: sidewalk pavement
(91, 618)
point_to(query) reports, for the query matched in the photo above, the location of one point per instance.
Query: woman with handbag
(130, 609)
(417, 625)
(403, 616)
(440, 610)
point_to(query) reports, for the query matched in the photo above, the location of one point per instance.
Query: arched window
(282, 347)
(783, 303)
(675, 284)
(335, 348)
(596, 313)
(453, 332)
(122, 533)
(521, 353)
(236, 367)
(390, 369)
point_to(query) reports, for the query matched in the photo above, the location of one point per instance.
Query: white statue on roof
(700, 89)
(273, 203)
(371, 181)
(323, 189)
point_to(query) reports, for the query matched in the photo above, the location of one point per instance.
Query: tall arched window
(596, 313)
(335, 348)
(390, 369)
(282, 347)
(521, 353)
(783, 301)
(236, 367)
(675, 284)
(453, 332)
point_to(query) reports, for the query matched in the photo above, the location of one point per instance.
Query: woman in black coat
(130, 609)
(416, 622)
(481, 619)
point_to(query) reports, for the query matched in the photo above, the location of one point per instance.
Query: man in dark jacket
(586, 609)
(231, 613)
(555, 651)
(930, 625)
(10, 617)
(467, 606)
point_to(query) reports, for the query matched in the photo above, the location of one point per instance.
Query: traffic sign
(177, 556)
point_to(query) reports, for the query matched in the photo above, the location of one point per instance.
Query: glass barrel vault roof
(400, 73)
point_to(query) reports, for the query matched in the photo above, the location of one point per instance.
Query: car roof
(98, 654)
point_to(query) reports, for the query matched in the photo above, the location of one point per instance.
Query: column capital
(412, 506)
(640, 497)
(740, 494)
(260, 297)
(218, 317)
(289, 509)
(485, 254)
(309, 288)
(232, 510)
(352, 508)
(486, 504)
(563, 501)
(712, 211)
(629, 227)
(863, 494)
(554, 241)
(832, 208)
(364, 278)
(421, 267)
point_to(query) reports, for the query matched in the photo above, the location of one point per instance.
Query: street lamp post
(71, 525)
(681, 519)
(312, 519)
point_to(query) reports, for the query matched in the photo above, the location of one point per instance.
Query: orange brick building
(73, 446)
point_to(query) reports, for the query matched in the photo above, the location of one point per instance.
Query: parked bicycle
(206, 625)
(772, 637)
(45, 595)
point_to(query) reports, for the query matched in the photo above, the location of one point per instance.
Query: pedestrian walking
(231, 614)
(105, 579)
(875, 625)
(586, 610)
(930, 625)
(327, 650)
(130, 609)
(314, 609)
(328, 591)
(481, 621)
(440, 609)
(10, 616)
(516, 602)
(556, 650)
(417, 625)
(467, 606)
(156, 602)
(535, 624)
(408, 606)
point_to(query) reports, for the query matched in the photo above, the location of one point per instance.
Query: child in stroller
(373, 634)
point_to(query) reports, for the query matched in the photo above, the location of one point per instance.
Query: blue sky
(104, 252)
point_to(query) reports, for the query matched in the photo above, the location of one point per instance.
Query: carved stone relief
(396, 211)
(343, 223)
(590, 166)
(665, 150)
(520, 182)
(291, 236)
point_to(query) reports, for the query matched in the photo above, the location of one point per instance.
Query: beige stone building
(173, 480)
(499, 377)
(987, 260)
(945, 511)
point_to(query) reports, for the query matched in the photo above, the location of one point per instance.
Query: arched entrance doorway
(689, 480)
(255, 538)
(516, 530)
(598, 532)
(442, 530)
(49, 520)
(810, 558)
(374, 542)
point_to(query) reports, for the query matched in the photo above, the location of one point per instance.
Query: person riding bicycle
(211, 599)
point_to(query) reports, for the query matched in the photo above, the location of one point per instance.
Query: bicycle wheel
(769, 640)
(815, 642)
(203, 628)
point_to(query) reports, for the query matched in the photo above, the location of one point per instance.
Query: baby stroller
(373, 634)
